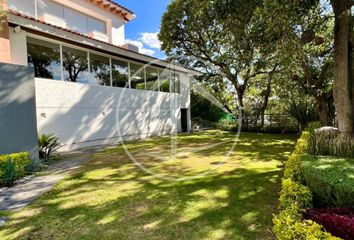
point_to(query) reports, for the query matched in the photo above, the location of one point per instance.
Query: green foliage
(303, 112)
(13, 167)
(48, 145)
(270, 129)
(326, 143)
(293, 193)
(330, 180)
(204, 109)
(294, 199)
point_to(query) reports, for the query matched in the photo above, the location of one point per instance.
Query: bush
(339, 221)
(303, 112)
(13, 167)
(324, 143)
(48, 145)
(270, 129)
(294, 198)
(330, 180)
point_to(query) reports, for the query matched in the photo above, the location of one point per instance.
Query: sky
(143, 30)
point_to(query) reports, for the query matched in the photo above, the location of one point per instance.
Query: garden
(270, 154)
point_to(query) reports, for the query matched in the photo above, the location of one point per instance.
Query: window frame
(110, 57)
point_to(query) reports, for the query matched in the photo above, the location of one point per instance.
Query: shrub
(303, 112)
(48, 145)
(13, 167)
(339, 222)
(294, 198)
(330, 180)
(293, 193)
(323, 143)
(270, 129)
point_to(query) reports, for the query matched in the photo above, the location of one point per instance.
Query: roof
(103, 45)
(114, 8)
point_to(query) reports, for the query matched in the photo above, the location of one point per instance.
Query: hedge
(333, 186)
(294, 199)
(16, 163)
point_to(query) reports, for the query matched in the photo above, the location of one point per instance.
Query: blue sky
(143, 30)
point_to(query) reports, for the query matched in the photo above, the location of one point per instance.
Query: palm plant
(48, 145)
(303, 112)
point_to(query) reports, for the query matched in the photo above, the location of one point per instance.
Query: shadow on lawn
(109, 198)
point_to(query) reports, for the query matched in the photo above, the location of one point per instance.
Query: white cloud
(150, 39)
(141, 47)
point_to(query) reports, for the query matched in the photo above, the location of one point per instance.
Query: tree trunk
(343, 85)
(323, 111)
(267, 93)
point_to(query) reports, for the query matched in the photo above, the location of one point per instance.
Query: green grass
(331, 179)
(111, 198)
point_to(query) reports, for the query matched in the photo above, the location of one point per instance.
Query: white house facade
(90, 87)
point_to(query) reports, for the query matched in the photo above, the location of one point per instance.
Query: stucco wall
(18, 131)
(83, 115)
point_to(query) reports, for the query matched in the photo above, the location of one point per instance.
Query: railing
(273, 120)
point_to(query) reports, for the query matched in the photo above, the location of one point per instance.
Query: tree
(214, 36)
(305, 47)
(343, 90)
(343, 65)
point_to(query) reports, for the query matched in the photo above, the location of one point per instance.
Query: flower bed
(294, 199)
(339, 221)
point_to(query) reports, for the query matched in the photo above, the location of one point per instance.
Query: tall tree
(305, 45)
(292, 11)
(215, 35)
(343, 65)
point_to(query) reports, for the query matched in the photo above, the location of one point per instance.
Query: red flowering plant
(337, 221)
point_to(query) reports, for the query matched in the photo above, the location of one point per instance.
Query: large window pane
(50, 7)
(152, 76)
(96, 25)
(137, 76)
(44, 57)
(23, 6)
(120, 73)
(75, 65)
(100, 73)
(165, 76)
(175, 83)
(75, 20)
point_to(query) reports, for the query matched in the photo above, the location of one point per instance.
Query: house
(90, 87)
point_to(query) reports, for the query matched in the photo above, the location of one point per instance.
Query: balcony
(99, 36)
(54, 20)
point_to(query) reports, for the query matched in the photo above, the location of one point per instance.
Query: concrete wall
(85, 115)
(18, 125)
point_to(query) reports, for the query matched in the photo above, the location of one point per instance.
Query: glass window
(152, 77)
(75, 65)
(175, 82)
(50, 7)
(120, 73)
(44, 57)
(137, 76)
(96, 25)
(100, 70)
(26, 7)
(75, 20)
(165, 76)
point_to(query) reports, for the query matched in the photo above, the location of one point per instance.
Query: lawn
(214, 197)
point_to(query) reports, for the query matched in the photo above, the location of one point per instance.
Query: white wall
(118, 32)
(83, 115)
(18, 47)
